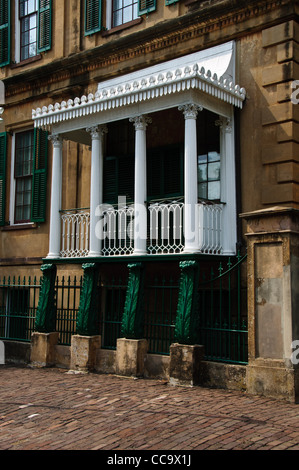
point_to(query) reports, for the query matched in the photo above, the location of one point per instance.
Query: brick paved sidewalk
(52, 409)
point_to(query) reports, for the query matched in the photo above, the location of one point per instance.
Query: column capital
(190, 110)
(97, 132)
(225, 124)
(56, 140)
(140, 122)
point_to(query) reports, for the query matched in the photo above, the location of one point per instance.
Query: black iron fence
(222, 309)
(18, 304)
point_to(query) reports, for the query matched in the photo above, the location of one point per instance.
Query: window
(28, 177)
(3, 141)
(28, 28)
(124, 11)
(23, 176)
(33, 29)
(208, 157)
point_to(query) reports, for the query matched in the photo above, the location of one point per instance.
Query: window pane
(202, 173)
(31, 6)
(202, 159)
(127, 14)
(213, 156)
(26, 214)
(117, 4)
(214, 171)
(214, 191)
(202, 190)
(117, 18)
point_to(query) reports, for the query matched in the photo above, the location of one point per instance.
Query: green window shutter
(126, 171)
(110, 180)
(3, 144)
(93, 16)
(165, 172)
(39, 184)
(146, 6)
(118, 179)
(169, 2)
(44, 25)
(4, 32)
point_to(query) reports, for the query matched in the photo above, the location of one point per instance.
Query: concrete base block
(130, 357)
(84, 352)
(272, 379)
(185, 364)
(43, 349)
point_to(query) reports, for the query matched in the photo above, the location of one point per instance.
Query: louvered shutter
(173, 171)
(146, 6)
(44, 25)
(93, 16)
(4, 32)
(39, 184)
(126, 177)
(154, 174)
(110, 181)
(169, 2)
(3, 141)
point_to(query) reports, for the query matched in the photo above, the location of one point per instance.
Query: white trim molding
(152, 83)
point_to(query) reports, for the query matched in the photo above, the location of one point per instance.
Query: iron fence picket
(223, 331)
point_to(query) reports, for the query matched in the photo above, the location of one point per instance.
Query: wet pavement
(53, 409)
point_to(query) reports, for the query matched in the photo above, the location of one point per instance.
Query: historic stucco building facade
(149, 138)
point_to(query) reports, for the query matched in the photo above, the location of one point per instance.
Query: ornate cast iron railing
(75, 233)
(165, 229)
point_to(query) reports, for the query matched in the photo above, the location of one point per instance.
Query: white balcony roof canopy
(205, 76)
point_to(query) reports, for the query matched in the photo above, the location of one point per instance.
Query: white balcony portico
(201, 218)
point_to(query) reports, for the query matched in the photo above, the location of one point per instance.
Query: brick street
(53, 409)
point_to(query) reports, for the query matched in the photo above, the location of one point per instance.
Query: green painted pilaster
(87, 319)
(45, 321)
(133, 316)
(186, 328)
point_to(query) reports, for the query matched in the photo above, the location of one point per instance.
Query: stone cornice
(196, 24)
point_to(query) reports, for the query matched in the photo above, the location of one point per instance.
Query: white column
(228, 185)
(55, 222)
(140, 192)
(96, 185)
(191, 229)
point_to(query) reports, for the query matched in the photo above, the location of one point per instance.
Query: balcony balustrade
(165, 233)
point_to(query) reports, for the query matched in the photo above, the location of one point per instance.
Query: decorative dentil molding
(138, 91)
